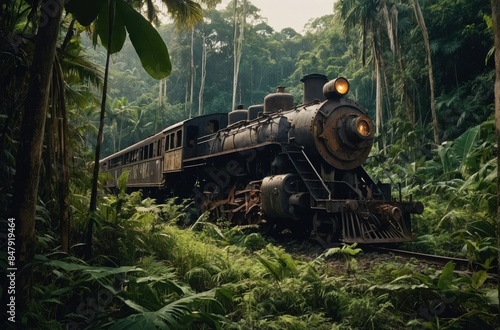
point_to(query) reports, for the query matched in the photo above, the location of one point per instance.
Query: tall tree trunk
(235, 53)
(425, 36)
(378, 102)
(63, 157)
(192, 74)
(238, 46)
(100, 138)
(186, 99)
(160, 92)
(61, 152)
(495, 9)
(203, 76)
(24, 199)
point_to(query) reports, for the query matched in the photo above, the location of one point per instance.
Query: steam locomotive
(276, 165)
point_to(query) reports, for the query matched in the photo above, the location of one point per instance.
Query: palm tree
(425, 36)
(238, 36)
(118, 112)
(140, 124)
(365, 15)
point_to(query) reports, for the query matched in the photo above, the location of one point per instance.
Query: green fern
(278, 263)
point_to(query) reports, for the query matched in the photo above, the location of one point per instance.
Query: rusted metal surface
(367, 227)
(146, 172)
(313, 87)
(276, 193)
(331, 137)
(172, 160)
(279, 101)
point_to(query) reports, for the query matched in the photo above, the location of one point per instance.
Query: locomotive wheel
(326, 229)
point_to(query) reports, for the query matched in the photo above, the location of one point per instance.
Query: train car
(155, 162)
(283, 166)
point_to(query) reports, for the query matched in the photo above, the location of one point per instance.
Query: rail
(432, 258)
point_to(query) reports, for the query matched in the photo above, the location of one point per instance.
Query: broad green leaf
(446, 278)
(118, 34)
(351, 251)
(464, 144)
(492, 296)
(96, 272)
(147, 42)
(134, 305)
(84, 11)
(479, 278)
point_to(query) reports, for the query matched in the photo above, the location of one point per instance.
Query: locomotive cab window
(158, 148)
(212, 126)
(172, 141)
(150, 155)
(178, 139)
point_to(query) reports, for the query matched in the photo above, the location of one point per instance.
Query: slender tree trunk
(186, 99)
(61, 158)
(425, 36)
(64, 207)
(160, 93)
(100, 138)
(28, 161)
(235, 53)
(238, 46)
(495, 9)
(192, 75)
(378, 102)
(203, 76)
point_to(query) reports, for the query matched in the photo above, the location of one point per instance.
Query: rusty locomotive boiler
(277, 165)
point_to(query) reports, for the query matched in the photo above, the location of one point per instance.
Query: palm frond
(175, 315)
(186, 13)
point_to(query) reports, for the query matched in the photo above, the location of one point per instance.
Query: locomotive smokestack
(313, 87)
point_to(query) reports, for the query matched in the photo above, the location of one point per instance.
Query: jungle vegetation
(80, 80)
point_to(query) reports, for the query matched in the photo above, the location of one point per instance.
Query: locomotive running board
(311, 178)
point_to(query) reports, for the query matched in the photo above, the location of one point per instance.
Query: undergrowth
(151, 272)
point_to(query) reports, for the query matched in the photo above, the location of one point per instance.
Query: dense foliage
(153, 267)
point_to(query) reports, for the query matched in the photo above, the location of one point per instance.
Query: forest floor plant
(152, 271)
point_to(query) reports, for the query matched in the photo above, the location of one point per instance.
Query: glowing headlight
(341, 86)
(358, 129)
(363, 128)
(336, 88)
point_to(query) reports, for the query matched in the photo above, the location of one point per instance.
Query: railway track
(462, 265)
(431, 258)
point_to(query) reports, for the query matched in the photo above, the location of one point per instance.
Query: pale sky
(291, 13)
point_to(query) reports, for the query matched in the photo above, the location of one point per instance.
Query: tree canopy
(425, 70)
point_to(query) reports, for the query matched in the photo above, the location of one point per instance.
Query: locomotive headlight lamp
(358, 128)
(362, 127)
(336, 88)
(341, 85)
